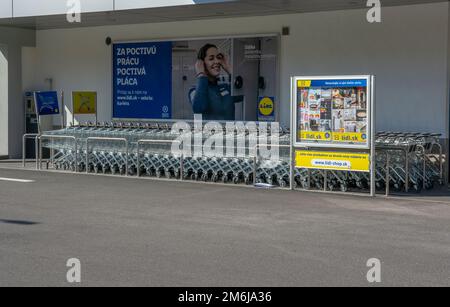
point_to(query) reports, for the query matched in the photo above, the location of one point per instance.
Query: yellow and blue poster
(142, 80)
(266, 109)
(84, 103)
(333, 111)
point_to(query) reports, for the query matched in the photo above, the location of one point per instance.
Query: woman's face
(213, 62)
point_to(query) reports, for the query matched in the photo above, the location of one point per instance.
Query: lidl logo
(266, 106)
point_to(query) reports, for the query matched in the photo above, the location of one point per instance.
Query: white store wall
(3, 99)
(11, 97)
(407, 52)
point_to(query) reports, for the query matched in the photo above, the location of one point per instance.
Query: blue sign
(339, 83)
(47, 103)
(142, 80)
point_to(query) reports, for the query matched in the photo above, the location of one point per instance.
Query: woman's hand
(200, 68)
(225, 64)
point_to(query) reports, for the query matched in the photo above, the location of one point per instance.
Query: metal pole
(309, 179)
(407, 170)
(441, 164)
(73, 112)
(293, 134)
(76, 156)
(24, 158)
(52, 153)
(182, 167)
(138, 163)
(40, 155)
(388, 174)
(126, 159)
(87, 156)
(424, 169)
(254, 169)
(292, 168)
(63, 110)
(373, 164)
(96, 112)
(36, 147)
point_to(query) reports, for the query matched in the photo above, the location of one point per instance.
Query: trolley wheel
(344, 188)
(283, 184)
(236, 180)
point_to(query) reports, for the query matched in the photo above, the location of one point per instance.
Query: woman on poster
(209, 98)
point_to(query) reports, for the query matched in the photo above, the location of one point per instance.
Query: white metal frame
(369, 147)
(331, 144)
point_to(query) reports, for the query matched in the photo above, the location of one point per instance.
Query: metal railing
(53, 137)
(142, 142)
(405, 150)
(125, 141)
(26, 137)
(257, 156)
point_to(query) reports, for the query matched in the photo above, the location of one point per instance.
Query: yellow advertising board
(324, 160)
(84, 103)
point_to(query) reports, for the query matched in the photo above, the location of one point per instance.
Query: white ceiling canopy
(103, 12)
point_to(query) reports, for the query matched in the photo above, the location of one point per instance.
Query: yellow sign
(304, 83)
(266, 106)
(350, 137)
(84, 102)
(315, 136)
(333, 161)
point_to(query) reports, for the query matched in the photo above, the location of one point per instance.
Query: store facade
(408, 52)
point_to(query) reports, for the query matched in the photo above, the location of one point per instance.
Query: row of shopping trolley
(404, 161)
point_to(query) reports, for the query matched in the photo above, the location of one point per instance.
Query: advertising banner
(333, 161)
(333, 112)
(84, 103)
(142, 80)
(47, 103)
(223, 79)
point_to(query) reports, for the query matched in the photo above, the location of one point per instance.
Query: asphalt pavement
(131, 232)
